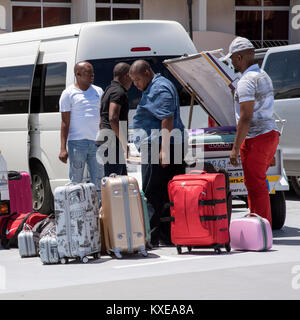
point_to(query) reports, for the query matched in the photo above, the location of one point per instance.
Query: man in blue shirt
(161, 144)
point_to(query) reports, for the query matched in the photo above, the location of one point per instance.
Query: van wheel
(278, 209)
(42, 197)
(295, 182)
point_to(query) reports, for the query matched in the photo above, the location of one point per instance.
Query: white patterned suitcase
(77, 222)
(48, 249)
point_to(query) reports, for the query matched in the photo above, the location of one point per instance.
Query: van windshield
(103, 69)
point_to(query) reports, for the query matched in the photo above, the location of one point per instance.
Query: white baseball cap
(238, 44)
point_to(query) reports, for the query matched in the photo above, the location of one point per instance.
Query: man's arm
(167, 126)
(64, 132)
(114, 115)
(246, 114)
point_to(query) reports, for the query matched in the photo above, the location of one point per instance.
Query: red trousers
(256, 156)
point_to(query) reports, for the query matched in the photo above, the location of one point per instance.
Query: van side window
(284, 70)
(48, 84)
(15, 85)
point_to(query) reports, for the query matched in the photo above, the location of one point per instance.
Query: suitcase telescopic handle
(197, 172)
(14, 175)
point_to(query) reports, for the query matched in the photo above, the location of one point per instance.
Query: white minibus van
(37, 65)
(283, 66)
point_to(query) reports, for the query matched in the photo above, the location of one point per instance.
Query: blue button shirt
(159, 101)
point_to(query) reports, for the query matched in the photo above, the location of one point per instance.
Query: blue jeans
(82, 152)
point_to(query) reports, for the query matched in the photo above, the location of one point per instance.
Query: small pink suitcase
(251, 232)
(20, 195)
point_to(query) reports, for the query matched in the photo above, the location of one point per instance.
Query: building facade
(211, 23)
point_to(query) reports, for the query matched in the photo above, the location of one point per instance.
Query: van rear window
(284, 70)
(103, 69)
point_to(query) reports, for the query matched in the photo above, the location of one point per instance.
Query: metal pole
(190, 5)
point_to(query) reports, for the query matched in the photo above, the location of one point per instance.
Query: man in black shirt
(114, 109)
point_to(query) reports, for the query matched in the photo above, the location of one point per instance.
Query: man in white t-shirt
(80, 113)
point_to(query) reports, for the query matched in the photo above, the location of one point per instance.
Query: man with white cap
(257, 135)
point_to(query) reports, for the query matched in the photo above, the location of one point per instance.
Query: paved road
(165, 275)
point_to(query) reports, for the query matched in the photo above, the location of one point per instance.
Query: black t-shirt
(116, 93)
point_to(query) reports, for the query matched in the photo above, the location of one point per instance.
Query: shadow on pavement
(286, 232)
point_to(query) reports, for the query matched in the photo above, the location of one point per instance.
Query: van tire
(42, 197)
(295, 182)
(278, 209)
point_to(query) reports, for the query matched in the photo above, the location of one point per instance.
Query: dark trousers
(119, 166)
(155, 180)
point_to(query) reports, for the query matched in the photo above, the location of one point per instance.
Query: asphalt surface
(165, 275)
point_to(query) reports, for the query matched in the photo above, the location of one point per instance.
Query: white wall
(5, 5)
(167, 10)
(295, 22)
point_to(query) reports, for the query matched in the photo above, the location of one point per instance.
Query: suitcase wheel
(218, 250)
(64, 260)
(179, 249)
(144, 253)
(85, 260)
(97, 256)
(227, 247)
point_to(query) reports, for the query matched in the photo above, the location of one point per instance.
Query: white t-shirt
(255, 85)
(85, 111)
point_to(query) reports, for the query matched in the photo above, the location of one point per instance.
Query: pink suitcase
(251, 232)
(19, 187)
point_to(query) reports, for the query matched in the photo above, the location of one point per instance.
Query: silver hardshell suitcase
(77, 222)
(48, 249)
(26, 242)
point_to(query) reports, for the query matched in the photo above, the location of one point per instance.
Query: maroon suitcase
(199, 216)
(19, 187)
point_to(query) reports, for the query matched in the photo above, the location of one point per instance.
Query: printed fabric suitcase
(199, 216)
(19, 186)
(77, 222)
(251, 232)
(11, 225)
(48, 248)
(123, 217)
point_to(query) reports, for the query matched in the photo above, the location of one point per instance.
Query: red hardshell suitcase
(199, 215)
(19, 186)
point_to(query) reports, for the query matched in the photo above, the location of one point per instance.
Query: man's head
(121, 74)
(141, 74)
(84, 73)
(241, 53)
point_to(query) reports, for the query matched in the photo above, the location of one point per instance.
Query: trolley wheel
(190, 249)
(64, 260)
(228, 247)
(218, 250)
(179, 249)
(85, 260)
(97, 256)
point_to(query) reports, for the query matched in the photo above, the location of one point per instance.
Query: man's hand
(164, 158)
(234, 157)
(63, 156)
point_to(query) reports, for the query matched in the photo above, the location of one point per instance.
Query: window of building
(264, 22)
(118, 10)
(40, 13)
(283, 68)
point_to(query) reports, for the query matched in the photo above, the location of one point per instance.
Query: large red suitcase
(20, 195)
(199, 216)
